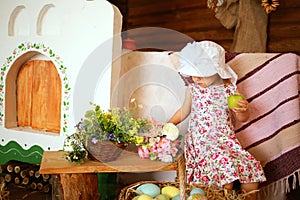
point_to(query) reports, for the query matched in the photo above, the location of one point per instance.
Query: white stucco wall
(80, 34)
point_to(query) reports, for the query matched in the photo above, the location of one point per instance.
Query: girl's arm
(184, 111)
(242, 113)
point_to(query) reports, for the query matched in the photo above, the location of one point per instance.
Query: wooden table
(80, 181)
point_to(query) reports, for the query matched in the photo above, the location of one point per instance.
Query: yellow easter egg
(197, 197)
(170, 191)
(144, 197)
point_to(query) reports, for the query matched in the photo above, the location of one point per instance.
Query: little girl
(213, 154)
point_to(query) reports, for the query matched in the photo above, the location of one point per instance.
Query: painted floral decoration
(161, 143)
(117, 125)
(62, 69)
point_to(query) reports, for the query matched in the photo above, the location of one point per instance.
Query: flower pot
(105, 151)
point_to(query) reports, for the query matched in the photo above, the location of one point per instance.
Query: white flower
(170, 131)
(167, 158)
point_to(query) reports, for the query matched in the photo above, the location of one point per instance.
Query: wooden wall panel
(193, 18)
(284, 28)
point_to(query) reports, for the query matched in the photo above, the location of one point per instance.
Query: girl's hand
(241, 113)
(243, 106)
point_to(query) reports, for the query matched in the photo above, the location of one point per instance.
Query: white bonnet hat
(205, 59)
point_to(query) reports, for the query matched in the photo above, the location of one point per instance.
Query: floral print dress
(213, 154)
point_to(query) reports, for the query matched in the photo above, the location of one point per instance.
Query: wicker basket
(212, 193)
(105, 151)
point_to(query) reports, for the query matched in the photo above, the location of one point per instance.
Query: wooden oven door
(39, 96)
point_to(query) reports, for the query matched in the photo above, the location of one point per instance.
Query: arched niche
(18, 22)
(26, 106)
(48, 22)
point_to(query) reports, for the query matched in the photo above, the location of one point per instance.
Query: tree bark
(80, 186)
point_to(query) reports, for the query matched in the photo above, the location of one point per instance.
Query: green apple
(233, 99)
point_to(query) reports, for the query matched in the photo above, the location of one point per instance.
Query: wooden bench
(81, 181)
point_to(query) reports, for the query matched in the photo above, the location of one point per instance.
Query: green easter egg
(177, 197)
(150, 189)
(162, 197)
(197, 191)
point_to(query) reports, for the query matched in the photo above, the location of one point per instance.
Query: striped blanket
(271, 83)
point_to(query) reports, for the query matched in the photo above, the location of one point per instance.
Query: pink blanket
(271, 84)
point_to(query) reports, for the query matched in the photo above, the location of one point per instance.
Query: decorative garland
(39, 47)
(214, 4)
(270, 5)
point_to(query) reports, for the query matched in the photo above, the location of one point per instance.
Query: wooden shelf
(53, 162)
(78, 181)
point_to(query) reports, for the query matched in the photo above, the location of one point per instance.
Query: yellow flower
(139, 140)
(107, 115)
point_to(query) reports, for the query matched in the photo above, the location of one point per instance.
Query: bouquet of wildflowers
(117, 125)
(161, 143)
